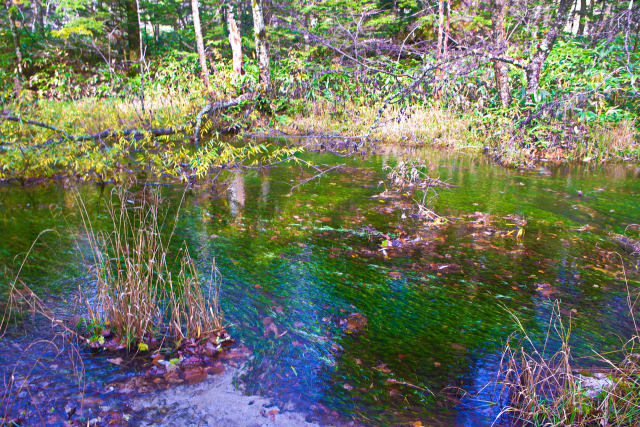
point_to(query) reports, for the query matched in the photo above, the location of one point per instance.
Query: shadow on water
(296, 266)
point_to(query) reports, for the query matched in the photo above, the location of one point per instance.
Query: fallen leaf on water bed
(356, 322)
(458, 346)
(383, 368)
(545, 289)
(240, 352)
(269, 326)
(116, 361)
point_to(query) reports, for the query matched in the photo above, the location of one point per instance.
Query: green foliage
(81, 26)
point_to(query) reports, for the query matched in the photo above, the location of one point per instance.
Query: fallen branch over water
(211, 108)
(133, 133)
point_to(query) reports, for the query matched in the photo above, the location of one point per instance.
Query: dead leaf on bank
(195, 375)
(216, 369)
(173, 377)
(271, 414)
(156, 360)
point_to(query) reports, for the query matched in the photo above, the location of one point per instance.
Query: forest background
(94, 89)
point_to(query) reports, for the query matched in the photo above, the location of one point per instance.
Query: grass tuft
(548, 388)
(144, 293)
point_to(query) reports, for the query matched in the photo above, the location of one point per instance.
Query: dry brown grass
(416, 125)
(619, 137)
(144, 291)
(546, 388)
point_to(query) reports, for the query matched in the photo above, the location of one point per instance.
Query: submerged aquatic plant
(144, 292)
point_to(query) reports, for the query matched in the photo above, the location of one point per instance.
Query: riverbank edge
(497, 136)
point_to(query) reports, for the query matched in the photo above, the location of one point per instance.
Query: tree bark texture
(195, 10)
(133, 30)
(447, 29)
(38, 15)
(15, 36)
(499, 39)
(141, 55)
(582, 25)
(235, 39)
(262, 53)
(533, 69)
(440, 30)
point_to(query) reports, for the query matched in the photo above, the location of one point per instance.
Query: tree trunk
(262, 53)
(133, 30)
(234, 38)
(583, 17)
(574, 23)
(38, 15)
(447, 29)
(199, 43)
(440, 29)
(499, 39)
(605, 11)
(534, 67)
(438, 74)
(140, 56)
(15, 36)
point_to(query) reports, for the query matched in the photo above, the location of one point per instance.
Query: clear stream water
(436, 313)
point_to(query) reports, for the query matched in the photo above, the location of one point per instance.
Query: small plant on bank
(539, 387)
(146, 295)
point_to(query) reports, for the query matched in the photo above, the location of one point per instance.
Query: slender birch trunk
(38, 15)
(262, 53)
(440, 29)
(582, 25)
(235, 39)
(141, 63)
(534, 68)
(447, 29)
(499, 39)
(15, 36)
(195, 10)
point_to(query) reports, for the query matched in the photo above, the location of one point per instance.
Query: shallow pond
(295, 266)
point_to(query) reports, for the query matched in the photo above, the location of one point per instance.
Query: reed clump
(146, 295)
(543, 388)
